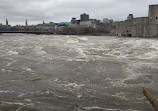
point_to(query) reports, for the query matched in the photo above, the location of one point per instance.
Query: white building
(90, 23)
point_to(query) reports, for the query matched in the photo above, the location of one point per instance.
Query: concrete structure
(84, 17)
(153, 20)
(140, 27)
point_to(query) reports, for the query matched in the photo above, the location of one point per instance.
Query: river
(76, 73)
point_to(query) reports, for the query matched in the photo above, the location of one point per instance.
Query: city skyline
(17, 11)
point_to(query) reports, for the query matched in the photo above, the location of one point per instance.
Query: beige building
(90, 23)
(140, 27)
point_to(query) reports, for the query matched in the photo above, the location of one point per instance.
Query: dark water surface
(73, 73)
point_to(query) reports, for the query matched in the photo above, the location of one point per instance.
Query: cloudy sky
(35, 11)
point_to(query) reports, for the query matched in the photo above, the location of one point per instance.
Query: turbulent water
(76, 73)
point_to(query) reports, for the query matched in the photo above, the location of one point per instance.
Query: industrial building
(141, 26)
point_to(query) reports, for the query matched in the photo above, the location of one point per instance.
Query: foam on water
(74, 85)
(97, 108)
(13, 103)
(81, 52)
(39, 50)
(72, 41)
(34, 93)
(3, 70)
(83, 39)
(27, 69)
(119, 49)
(10, 53)
(6, 91)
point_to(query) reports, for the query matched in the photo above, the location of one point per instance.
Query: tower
(153, 20)
(153, 14)
(7, 22)
(26, 23)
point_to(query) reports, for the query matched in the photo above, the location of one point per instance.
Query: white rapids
(76, 73)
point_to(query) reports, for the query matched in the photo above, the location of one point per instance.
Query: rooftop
(154, 5)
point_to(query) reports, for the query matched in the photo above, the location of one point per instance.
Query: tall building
(84, 17)
(26, 23)
(7, 22)
(130, 17)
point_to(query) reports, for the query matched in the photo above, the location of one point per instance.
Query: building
(7, 22)
(26, 23)
(64, 24)
(111, 21)
(84, 17)
(130, 17)
(105, 20)
(75, 21)
(141, 26)
(43, 24)
(85, 21)
(153, 20)
(90, 23)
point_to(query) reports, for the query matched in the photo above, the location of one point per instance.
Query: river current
(76, 73)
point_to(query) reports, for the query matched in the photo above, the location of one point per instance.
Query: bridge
(29, 32)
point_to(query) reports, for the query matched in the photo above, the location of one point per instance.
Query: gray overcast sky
(35, 11)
